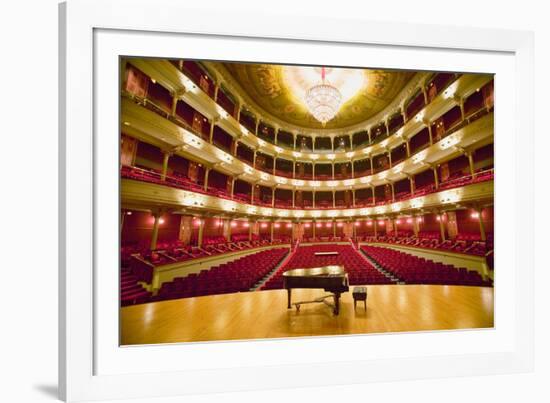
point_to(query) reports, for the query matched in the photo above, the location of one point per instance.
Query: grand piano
(332, 279)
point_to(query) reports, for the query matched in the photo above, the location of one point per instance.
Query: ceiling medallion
(323, 100)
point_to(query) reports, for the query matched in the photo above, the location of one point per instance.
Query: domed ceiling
(281, 91)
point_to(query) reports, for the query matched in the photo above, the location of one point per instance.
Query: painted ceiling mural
(281, 91)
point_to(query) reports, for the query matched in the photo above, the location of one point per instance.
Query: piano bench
(359, 294)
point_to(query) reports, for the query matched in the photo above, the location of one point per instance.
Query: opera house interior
(275, 201)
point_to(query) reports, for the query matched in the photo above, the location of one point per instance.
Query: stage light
(398, 221)
(409, 220)
(277, 225)
(474, 215)
(264, 225)
(340, 224)
(328, 225)
(246, 224)
(233, 224)
(128, 213)
(319, 225)
(161, 220)
(357, 223)
(369, 223)
(307, 225)
(381, 223)
(289, 225)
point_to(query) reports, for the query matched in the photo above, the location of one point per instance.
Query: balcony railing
(184, 183)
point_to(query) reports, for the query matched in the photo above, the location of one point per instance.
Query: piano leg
(336, 303)
(288, 292)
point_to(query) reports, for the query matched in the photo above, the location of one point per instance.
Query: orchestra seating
(237, 276)
(359, 270)
(417, 270)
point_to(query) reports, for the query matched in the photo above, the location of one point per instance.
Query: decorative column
(371, 166)
(436, 177)
(471, 163)
(441, 227)
(212, 125)
(165, 159)
(201, 232)
(351, 142)
(430, 132)
(240, 107)
(250, 225)
(271, 231)
(276, 134)
(373, 195)
(155, 234)
(375, 225)
(174, 104)
(313, 170)
(227, 229)
(254, 159)
(272, 197)
(392, 192)
(370, 138)
(332, 143)
(293, 198)
(333, 199)
(413, 186)
(415, 225)
(353, 196)
(257, 126)
(274, 164)
(313, 199)
(294, 136)
(352, 169)
(407, 144)
(332, 164)
(481, 225)
(389, 158)
(206, 173)
(461, 104)
(236, 147)
(293, 169)
(232, 187)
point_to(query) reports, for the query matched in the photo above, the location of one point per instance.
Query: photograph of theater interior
(276, 201)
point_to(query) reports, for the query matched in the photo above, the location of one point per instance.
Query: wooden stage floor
(263, 314)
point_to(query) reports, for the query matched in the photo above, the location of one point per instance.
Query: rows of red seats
(466, 243)
(141, 261)
(359, 270)
(237, 276)
(417, 270)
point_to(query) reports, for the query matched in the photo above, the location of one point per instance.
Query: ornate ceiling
(279, 90)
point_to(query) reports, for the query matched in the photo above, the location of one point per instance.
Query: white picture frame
(92, 366)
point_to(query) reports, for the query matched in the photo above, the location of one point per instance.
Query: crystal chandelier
(323, 100)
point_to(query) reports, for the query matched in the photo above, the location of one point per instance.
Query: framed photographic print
(318, 207)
